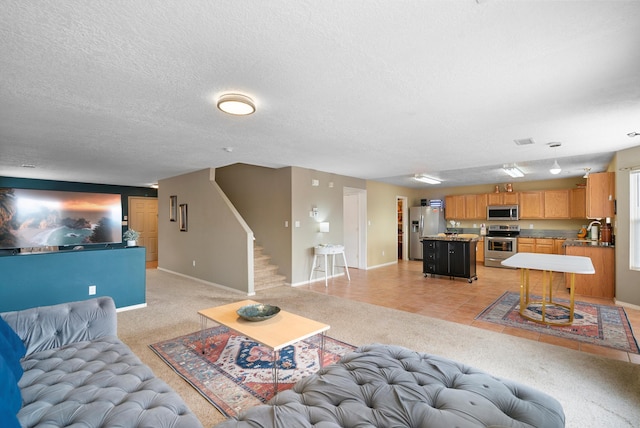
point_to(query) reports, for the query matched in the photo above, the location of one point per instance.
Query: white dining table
(548, 263)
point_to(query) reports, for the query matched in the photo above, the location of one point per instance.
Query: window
(634, 220)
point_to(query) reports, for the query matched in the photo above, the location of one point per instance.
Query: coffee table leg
(203, 327)
(322, 349)
(276, 357)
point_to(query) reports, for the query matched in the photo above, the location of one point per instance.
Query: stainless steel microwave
(503, 212)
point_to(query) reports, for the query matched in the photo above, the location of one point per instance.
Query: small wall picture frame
(173, 208)
(182, 218)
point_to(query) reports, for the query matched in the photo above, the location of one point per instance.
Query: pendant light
(555, 168)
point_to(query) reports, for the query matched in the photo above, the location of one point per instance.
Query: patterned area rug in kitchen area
(236, 373)
(595, 324)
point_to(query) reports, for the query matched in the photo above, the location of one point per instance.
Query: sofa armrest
(53, 326)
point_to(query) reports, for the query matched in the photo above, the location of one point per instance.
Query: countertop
(462, 237)
(586, 243)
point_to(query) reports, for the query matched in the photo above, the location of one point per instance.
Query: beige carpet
(594, 391)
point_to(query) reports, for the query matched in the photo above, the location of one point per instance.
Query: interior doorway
(403, 224)
(355, 227)
(143, 217)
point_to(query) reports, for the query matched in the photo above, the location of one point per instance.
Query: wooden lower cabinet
(480, 251)
(526, 245)
(600, 284)
(541, 245)
(544, 245)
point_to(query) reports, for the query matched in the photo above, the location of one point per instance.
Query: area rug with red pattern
(235, 373)
(596, 324)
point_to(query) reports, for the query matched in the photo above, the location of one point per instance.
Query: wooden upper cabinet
(531, 204)
(504, 198)
(578, 203)
(495, 198)
(600, 195)
(556, 204)
(470, 208)
(511, 198)
(454, 207)
(481, 206)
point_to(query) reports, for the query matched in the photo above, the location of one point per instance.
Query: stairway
(265, 275)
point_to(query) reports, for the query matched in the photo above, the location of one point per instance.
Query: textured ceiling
(123, 92)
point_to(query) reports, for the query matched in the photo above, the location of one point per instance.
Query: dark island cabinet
(452, 258)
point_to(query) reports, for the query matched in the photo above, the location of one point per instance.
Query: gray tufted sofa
(78, 373)
(388, 386)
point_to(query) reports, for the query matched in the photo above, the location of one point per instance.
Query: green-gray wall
(217, 238)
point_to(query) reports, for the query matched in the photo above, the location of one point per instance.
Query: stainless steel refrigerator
(423, 221)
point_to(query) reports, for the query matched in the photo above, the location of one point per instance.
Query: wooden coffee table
(282, 330)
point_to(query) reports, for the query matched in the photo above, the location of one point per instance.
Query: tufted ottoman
(389, 386)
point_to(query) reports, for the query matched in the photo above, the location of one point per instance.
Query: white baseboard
(224, 287)
(382, 265)
(132, 307)
(627, 305)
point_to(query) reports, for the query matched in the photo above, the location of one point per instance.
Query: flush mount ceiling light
(236, 104)
(513, 170)
(425, 179)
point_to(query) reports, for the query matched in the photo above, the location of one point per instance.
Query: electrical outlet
(92, 290)
(194, 263)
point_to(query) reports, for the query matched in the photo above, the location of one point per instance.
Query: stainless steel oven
(500, 243)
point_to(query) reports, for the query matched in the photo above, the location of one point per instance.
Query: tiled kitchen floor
(404, 287)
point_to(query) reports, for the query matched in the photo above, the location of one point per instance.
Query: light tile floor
(404, 287)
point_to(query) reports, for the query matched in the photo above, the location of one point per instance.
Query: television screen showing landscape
(42, 218)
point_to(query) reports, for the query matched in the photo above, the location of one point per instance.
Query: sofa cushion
(97, 383)
(10, 399)
(11, 348)
(390, 386)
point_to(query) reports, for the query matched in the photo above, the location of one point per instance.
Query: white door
(354, 227)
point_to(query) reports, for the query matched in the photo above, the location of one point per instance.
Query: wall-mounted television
(49, 218)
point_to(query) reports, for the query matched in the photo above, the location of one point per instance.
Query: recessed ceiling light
(28, 165)
(236, 104)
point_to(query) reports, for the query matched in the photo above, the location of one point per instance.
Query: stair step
(265, 274)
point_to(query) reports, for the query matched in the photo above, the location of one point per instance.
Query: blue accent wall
(41, 279)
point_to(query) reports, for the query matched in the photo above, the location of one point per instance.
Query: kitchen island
(450, 255)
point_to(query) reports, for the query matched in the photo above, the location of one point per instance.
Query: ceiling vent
(524, 141)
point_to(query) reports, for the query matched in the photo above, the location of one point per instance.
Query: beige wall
(276, 203)
(217, 239)
(329, 201)
(263, 197)
(382, 230)
(627, 280)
